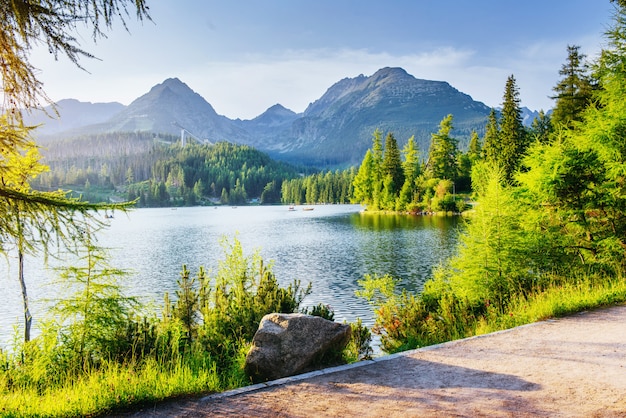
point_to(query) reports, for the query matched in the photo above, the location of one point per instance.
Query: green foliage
(542, 128)
(97, 343)
(512, 135)
(392, 181)
(392, 165)
(442, 156)
(364, 181)
(574, 91)
(324, 187)
(164, 173)
(321, 310)
(547, 240)
(93, 320)
(492, 146)
(359, 348)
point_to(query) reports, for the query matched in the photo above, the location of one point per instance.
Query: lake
(331, 246)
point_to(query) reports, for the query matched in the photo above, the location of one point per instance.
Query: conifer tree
(377, 164)
(364, 181)
(474, 149)
(411, 163)
(574, 91)
(491, 147)
(392, 164)
(541, 128)
(513, 142)
(442, 156)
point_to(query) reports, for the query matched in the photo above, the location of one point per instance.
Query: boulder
(288, 344)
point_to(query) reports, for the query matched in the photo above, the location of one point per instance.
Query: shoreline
(573, 366)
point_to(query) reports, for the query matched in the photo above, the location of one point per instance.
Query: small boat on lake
(307, 209)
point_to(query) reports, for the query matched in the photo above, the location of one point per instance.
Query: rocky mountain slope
(334, 131)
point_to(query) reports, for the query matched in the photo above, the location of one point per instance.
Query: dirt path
(570, 367)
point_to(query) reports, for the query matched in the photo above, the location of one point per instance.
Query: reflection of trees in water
(405, 246)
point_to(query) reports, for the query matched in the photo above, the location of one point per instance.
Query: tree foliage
(31, 219)
(393, 180)
(442, 156)
(54, 23)
(512, 135)
(574, 91)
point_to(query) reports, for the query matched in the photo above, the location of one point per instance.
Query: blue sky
(245, 56)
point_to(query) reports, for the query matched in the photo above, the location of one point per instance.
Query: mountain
(337, 128)
(275, 118)
(170, 106)
(167, 108)
(334, 131)
(72, 114)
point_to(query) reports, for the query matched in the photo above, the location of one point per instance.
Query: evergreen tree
(574, 91)
(377, 163)
(411, 168)
(363, 181)
(513, 142)
(411, 163)
(541, 128)
(491, 147)
(475, 150)
(392, 164)
(442, 156)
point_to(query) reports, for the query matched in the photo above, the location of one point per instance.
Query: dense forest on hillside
(159, 172)
(156, 171)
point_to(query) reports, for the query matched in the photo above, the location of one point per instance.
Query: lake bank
(573, 366)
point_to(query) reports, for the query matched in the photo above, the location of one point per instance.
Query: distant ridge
(334, 131)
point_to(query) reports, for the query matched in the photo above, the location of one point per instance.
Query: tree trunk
(28, 319)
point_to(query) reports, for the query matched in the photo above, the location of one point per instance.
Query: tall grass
(553, 302)
(405, 321)
(113, 387)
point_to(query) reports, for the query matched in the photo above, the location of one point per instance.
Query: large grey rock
(287, 344)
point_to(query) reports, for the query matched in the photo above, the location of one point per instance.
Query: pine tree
(474, 149)
(574, 92)
(363, 181)
(513, 138)
(491, 147)
(392, 164)
(442, 156)
(411, 163)
(541, 128)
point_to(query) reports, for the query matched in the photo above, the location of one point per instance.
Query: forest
(156, 171)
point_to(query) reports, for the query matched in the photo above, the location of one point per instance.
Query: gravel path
(569, 367)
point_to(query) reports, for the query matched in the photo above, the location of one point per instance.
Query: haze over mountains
(333, 131)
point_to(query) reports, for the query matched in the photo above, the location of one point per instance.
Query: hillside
(334, 131)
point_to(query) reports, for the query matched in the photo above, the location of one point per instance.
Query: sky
(245, 56)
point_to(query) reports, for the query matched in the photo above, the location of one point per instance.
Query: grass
(111, 388)
(554, 302)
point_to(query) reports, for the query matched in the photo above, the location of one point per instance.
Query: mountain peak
(390, 71)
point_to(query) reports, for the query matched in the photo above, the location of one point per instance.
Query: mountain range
(333, 131)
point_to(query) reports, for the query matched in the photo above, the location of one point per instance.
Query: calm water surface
(331, 246)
